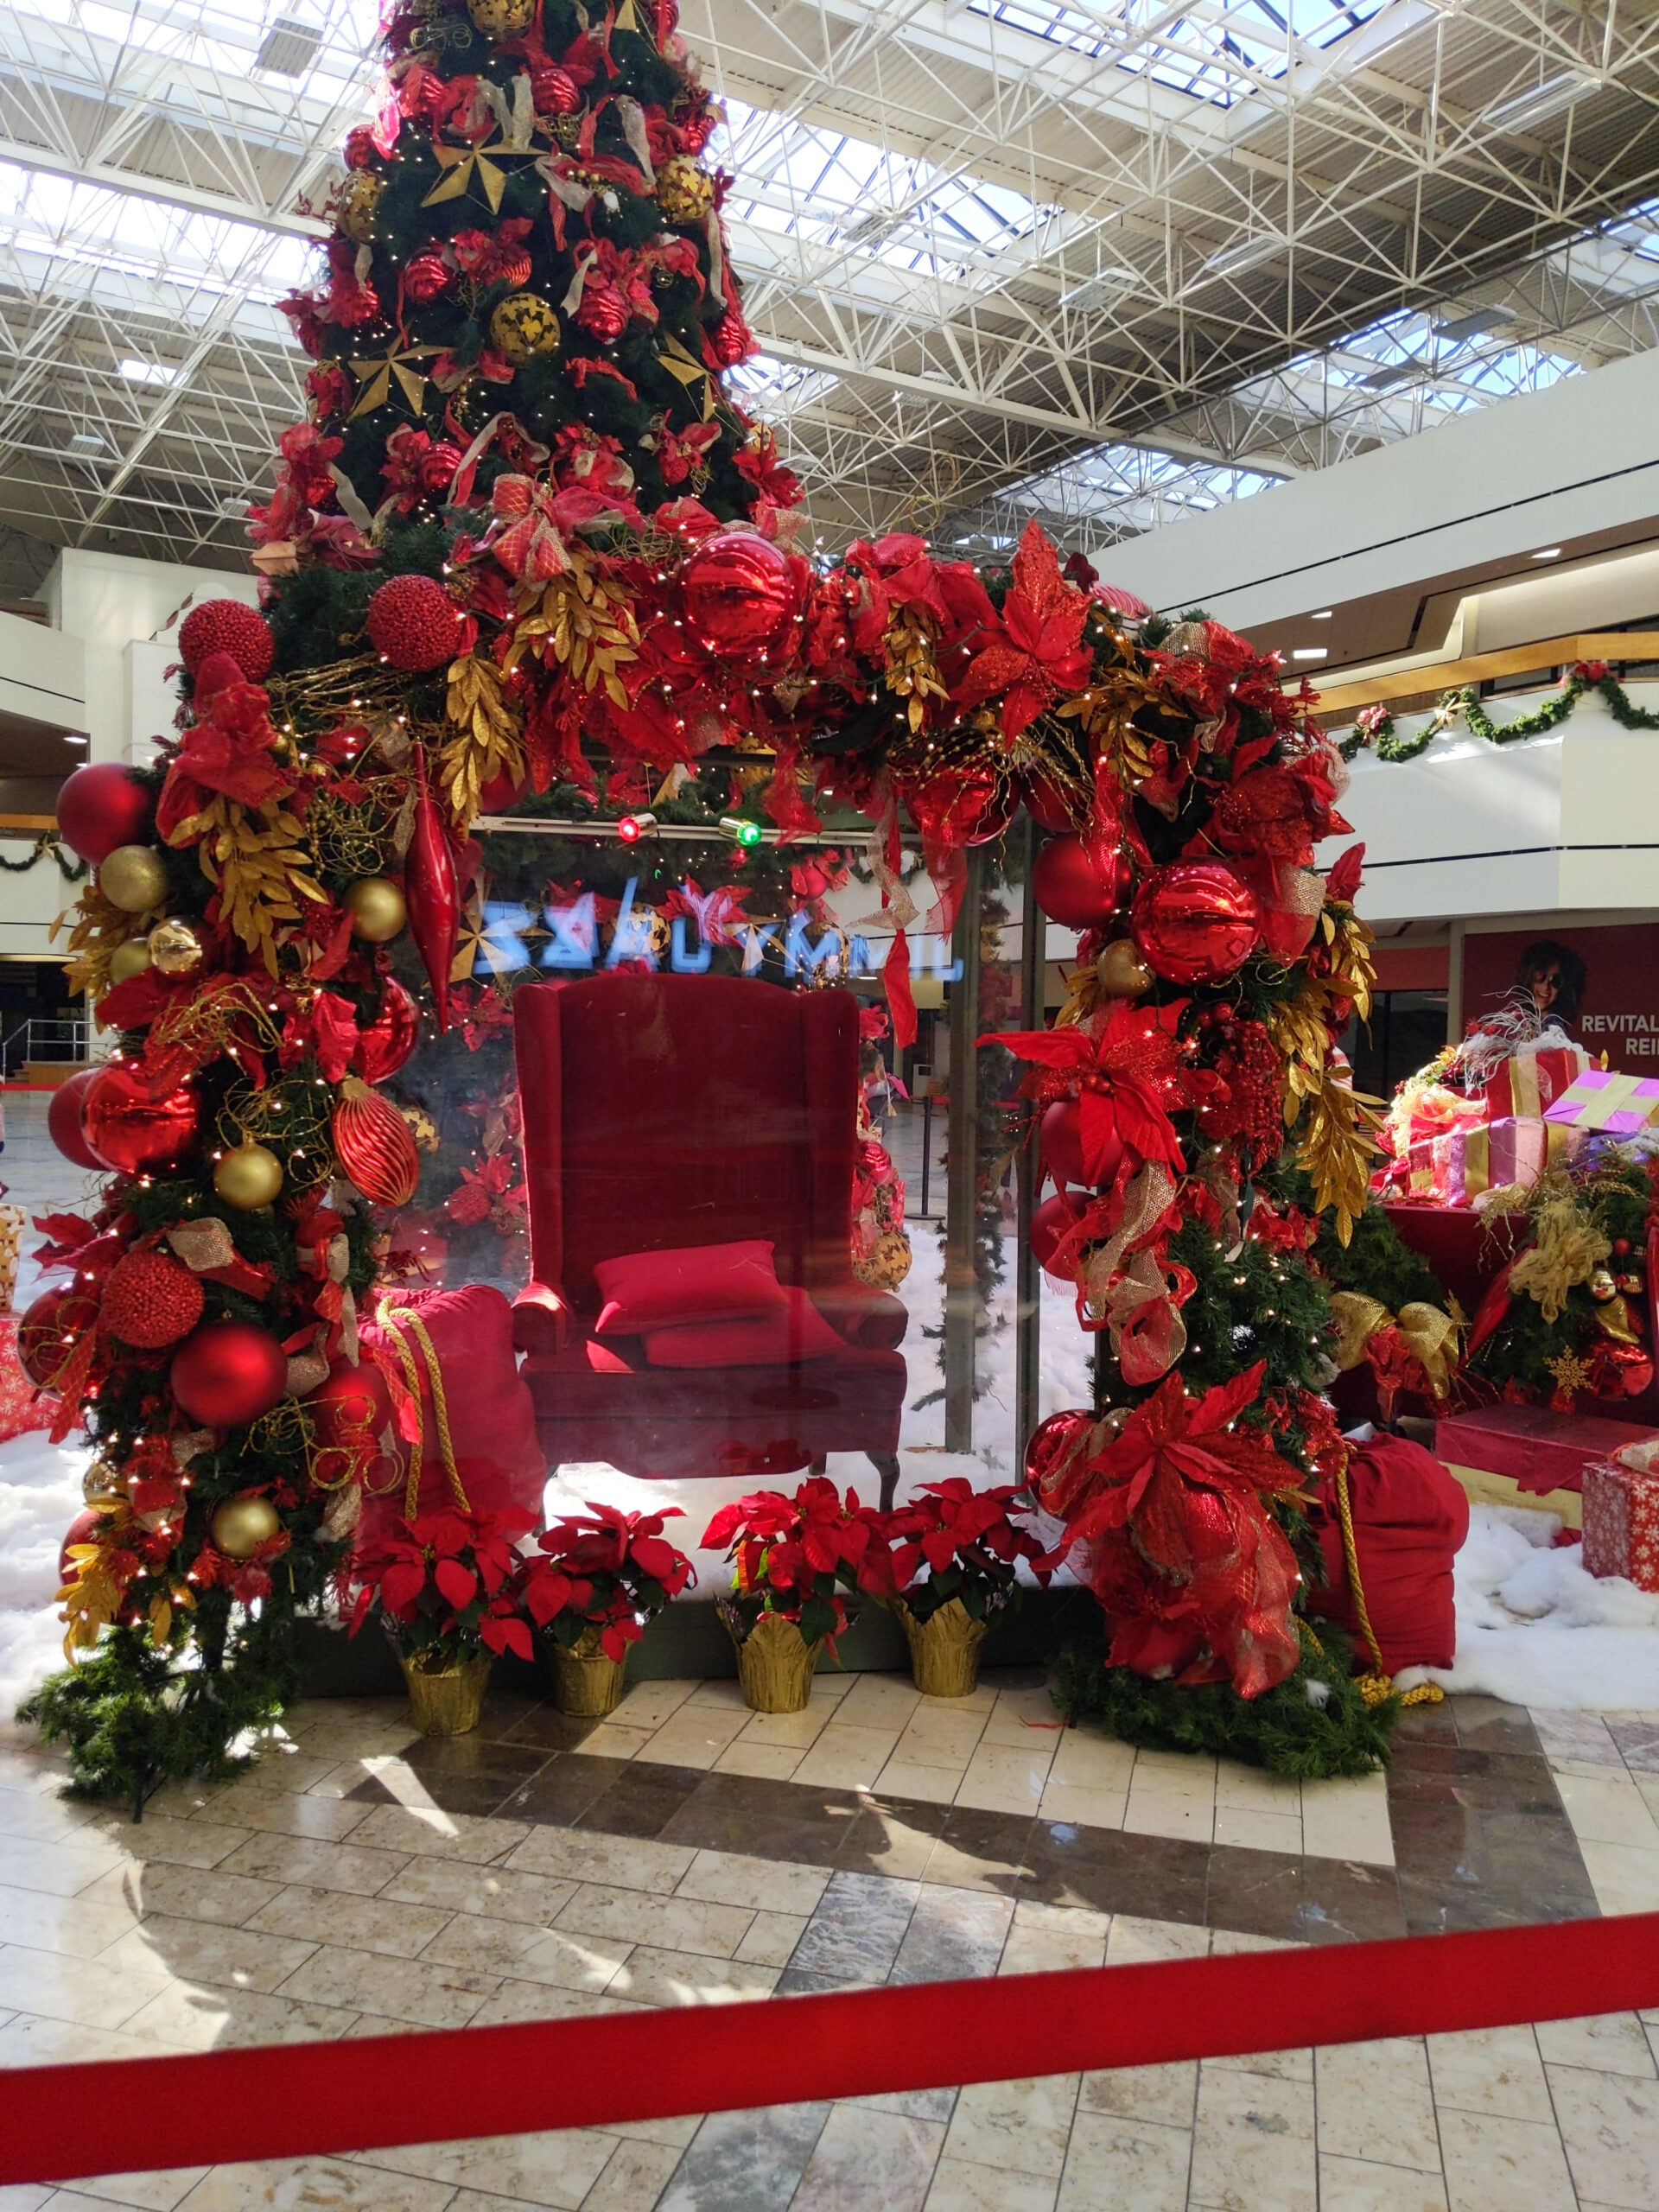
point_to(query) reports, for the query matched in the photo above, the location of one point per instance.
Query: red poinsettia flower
(1042, 654)
(1127, 1075)
(604, 1569)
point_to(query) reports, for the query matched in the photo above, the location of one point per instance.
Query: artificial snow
(40, 1496)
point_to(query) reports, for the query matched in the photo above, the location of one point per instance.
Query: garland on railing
(71, 870)
(1375, 726)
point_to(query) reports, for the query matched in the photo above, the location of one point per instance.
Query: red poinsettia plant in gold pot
(445, 1586)
(954, 1551)
(601, 1577)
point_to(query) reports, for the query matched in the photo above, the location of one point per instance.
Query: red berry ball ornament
(414, 623)
(150, 1301)
(741, 594)
(63, 1119)
(1072, 891)
(225, 626)
(132, 1132)
(228, 1374)
(101, 806)
(1195, 923)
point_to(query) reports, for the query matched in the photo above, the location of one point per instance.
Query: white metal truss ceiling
(1094, 259)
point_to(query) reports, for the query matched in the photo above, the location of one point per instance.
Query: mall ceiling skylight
(1216, 52)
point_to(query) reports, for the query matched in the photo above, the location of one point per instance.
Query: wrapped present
(1456, 1169)
(1621, 1522)
(1602, 1099)
(1531, 1080)
(1434, 1111)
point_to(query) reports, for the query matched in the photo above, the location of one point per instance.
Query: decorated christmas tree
(527, 543)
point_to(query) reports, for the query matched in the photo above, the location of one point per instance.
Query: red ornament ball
(1195, 923)
(414, 623)
(1048, 806)
(132, 1132)
(50, 1330)
(63, 1119)
(426, 278)
(225, 626)
(1062, 1145)
(968, 807)
(1050, 1222)
(101, 806)
(742, 593)
(360, 148)
(554, 91)
(502, 792)
(734, 341)
(151, 1299)
(1072, 891)
(603, 313)
(385, 1046)
(228, 1374)
(350, 1412)
(1054, 1458)
(83, 1530)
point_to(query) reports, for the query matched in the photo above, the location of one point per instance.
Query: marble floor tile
(196, 1950)
(1610, 2043)
(789, 1731)
(276, 1812)
(935, 1736)
(554, 2168)
(695, 1736)
(1252, 1829)
(428, 1832)
(1610, 2125)
(648, 1705)
(315, 2182)
(1375, 2103)
(526, 1953)
(623, 1862)
(953, 1935)
(1516, 2165)
(613, 1739)
(642, 1917)
(1006, 1777)
(1152, 1809)
(76, 1927)
(286, 1859)
(960, 2186)
(1166, 2094)
(745, 2161)
(430, 1993)
(1125, 2165)
(184, 2018)
(772, 1939)
(932, 1785)
(60, 1868)
(1086, 1759)
(195, 1893)
(868, 2161)
(634, 2177)
(882, 1701)
(728, 1878)
(1024, 2125)
(87, 1992)
(1350, 2185)
(650, 1976)
(1348, 1819)
(1611, 1811)
(400, 1929)
(1253, 2143)
(1077, 1805)
(769, 1763)
(498, 1892)
(1625, 1878)
(857, 1928)
(157, 2192)
(846, 1756)
(1495, 2071)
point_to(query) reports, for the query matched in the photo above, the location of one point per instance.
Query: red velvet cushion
(796, 1331)
(1411, 1519)
(492, 1415)
(689, 1283)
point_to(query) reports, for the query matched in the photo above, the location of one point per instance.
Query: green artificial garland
(1380, 732)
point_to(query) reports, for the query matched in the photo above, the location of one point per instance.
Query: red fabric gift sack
(491, 1416)
(1411, 1519)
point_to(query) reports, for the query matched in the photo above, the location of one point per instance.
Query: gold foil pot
(448, 1701)
(587, 1680)
(945, 1650)
(775, 1665)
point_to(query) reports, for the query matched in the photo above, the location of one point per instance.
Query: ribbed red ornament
(151, 1299)
(225, 626)
(734, 341)
(433, 893)
(603, 313)
(413, 622)
(554, 91)
(425, 279)
(375, 1144)
(48, 1332)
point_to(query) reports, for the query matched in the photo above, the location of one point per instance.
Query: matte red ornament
(501, 792)
(433, 896)
(63, 1119)
(426, 278)
(741, 593)
(83, 1530)
(1047, 804)
(1072, 891)
(1635, 1375)
(385, 1046)
(1062, 1145)
(349, 1413)
(132, 1132)
(1195, 923)
(151, 1299)
(225, 626)
(50, 1330)
(101, 806)
(228, 1374)
(375, 1144)
(413, 622)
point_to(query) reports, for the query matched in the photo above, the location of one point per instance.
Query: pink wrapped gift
(1601, 1098)
(1621, 1522)
(1529, 1081)
(1457, 1168)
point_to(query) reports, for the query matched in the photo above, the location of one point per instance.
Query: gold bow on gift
(1429, 1335)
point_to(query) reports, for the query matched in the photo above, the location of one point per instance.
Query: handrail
(1430, 676)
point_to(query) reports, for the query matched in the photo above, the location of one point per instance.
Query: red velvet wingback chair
(669, 1110)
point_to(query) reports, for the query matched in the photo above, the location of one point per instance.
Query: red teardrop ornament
(434, 896)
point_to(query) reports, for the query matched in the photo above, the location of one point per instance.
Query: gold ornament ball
(358, 203)
(377, 909)
(685, 192)
(499, 19)
(249, 1177)
(523, 326)
(133, 878)
(1121, 972)
(129, 960)
(175, 948)
(242, 1524)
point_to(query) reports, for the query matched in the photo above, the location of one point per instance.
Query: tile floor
(359, 1881)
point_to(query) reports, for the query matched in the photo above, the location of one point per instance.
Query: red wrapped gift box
(1538, 1449)
(1531, 1081)
(1621, 1522)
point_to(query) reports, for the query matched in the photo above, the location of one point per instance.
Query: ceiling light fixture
(86, 443)
(1096, 290)
(1311, 652)
(1548, 553)
(1540, 102)
(1243, 253)
(1324, 615)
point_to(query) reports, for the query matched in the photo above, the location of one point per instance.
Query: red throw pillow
(794, 1331)
(492, 1414)
(693, 1282)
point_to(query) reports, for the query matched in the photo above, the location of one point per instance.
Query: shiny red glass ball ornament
(349, 1413)
(965, 807)
(1056, 1446)
(132, 1132)
(100, 806)
(1195, 923)
(63, 1119)
(1062, 1145)
(228, 1374)
(83, 1530)
(1050, 1223)
(740, 594)
(1072, 891)
(1048, 806)
(48, 1332)
(384, 1046)
(603, 313)
(554, 91)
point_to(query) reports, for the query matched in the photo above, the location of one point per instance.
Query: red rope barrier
(218, 2107)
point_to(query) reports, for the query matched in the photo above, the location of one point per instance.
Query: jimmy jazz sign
(638, 936)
